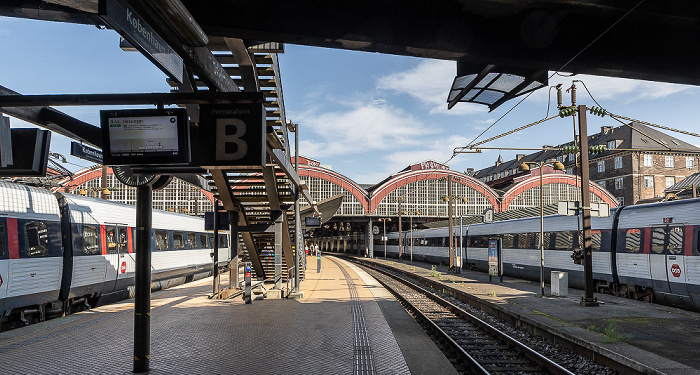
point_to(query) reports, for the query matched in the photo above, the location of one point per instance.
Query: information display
(145, 137)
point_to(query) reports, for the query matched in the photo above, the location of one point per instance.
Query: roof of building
(690, 181)
(630, 136)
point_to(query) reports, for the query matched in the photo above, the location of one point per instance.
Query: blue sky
(366, 114)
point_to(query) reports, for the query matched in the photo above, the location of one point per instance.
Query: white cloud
(365, 127)
(429, 82)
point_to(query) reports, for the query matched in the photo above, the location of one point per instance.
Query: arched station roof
(344, 183)
(598, 194)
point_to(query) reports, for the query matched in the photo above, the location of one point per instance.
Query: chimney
(519, 156)
(499, 161)
(605, 129)
(470, 172)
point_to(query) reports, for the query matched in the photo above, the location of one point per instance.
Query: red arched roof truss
(403, 179)
(339, 180)
(557, 178)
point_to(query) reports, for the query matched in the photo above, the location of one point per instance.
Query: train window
(203, 241)
(222, 240)
(191, 240)
(633, 240)
(123, 245)
(2, 240)
(595, 240)
(161, 240)
(564, 240)
(178, 240)
(37, 239)
(483, 241)
(675, 240)
(547, 240)
(657, 240)
(524, 241)
(508, 241)
(90, 244)
(111, 239)
(211, 241)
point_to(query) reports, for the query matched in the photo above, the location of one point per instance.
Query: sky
(367, 115)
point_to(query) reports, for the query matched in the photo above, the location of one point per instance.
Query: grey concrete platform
(651, 338)
(346, 323)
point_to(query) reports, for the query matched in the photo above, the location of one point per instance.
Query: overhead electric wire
(471, 144)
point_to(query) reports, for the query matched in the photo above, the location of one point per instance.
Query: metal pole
(588, 299)
(541, 235)
(299, 247)
(449, 214)
(142, 289)
(411, 224)
(384, 221)
(215, 280)
(461, 239)
(400, 240)
(234, 279)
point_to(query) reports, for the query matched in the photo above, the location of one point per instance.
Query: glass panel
(90, 244)
(37, 239)
(564, 240)
(123, 246)
(161, 240)
(203, 244)
(657, 240)
(178, 241)
(595, 240)
(524, 241)
(507, 241)
(191, 240)
(111, 239)
(675, 240)
(633, 241)
(2, 240)
(222, 240)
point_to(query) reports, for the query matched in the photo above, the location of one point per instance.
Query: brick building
(641, 162)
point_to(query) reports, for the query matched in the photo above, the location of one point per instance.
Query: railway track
(480, 347)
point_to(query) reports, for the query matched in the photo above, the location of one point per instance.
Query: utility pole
(449, 214)
(400, 247)
(588, 299)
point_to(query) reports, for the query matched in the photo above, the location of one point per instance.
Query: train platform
(345, 323)
(646, 337)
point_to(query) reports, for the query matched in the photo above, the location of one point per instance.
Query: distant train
(648, 252)
(61, 253)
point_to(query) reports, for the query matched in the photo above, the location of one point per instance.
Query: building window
(620, 201)
(648, 160)
(670, 181)
(560, 158)
(649, 182)
(611, 145)
(569, 171)
(601, 166)
(689, 162)
(618, 183)
(601, 184)
(618, 162)
(571, 157)
(669, 161)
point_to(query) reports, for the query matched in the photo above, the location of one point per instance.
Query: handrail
(289, 278)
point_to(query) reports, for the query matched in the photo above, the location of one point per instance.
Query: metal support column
(449, 214)
(234, 277)
(400, 239)
(215, 280)
(142, 289)
(277, 217)
(588, 299)
(299, 243)
(370, 240)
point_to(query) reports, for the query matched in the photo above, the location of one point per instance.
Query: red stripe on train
(103, 235)
(13, 238)
(130, 239)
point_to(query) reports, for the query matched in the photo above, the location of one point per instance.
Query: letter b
(229, 144)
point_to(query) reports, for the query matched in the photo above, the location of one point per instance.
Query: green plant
(592, 328)
(493, 293)
(434, 272)
(613, 333)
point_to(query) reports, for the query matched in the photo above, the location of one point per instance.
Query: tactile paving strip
(363, 363)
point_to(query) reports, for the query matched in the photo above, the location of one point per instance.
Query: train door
(666, 259)
(125, 259)
(4, 261)
(657, 260)
(675, 260)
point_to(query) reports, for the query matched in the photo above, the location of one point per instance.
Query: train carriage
(63, 252)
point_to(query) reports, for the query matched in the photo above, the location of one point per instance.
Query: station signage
(312, 221)
(86, 152)
(132, 27)
(232, 135)
(30, 153)
(145, 137)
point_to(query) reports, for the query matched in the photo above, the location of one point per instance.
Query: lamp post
(525, 167)
(411, 213)
(384, 220)
(461, 239)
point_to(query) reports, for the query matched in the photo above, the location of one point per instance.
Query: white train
(61, 253)
(648, 252)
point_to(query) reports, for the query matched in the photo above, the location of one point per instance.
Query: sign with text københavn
(86, 152)
(232, 135)
(141, 35)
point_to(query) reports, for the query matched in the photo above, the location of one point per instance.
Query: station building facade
(419, 195)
